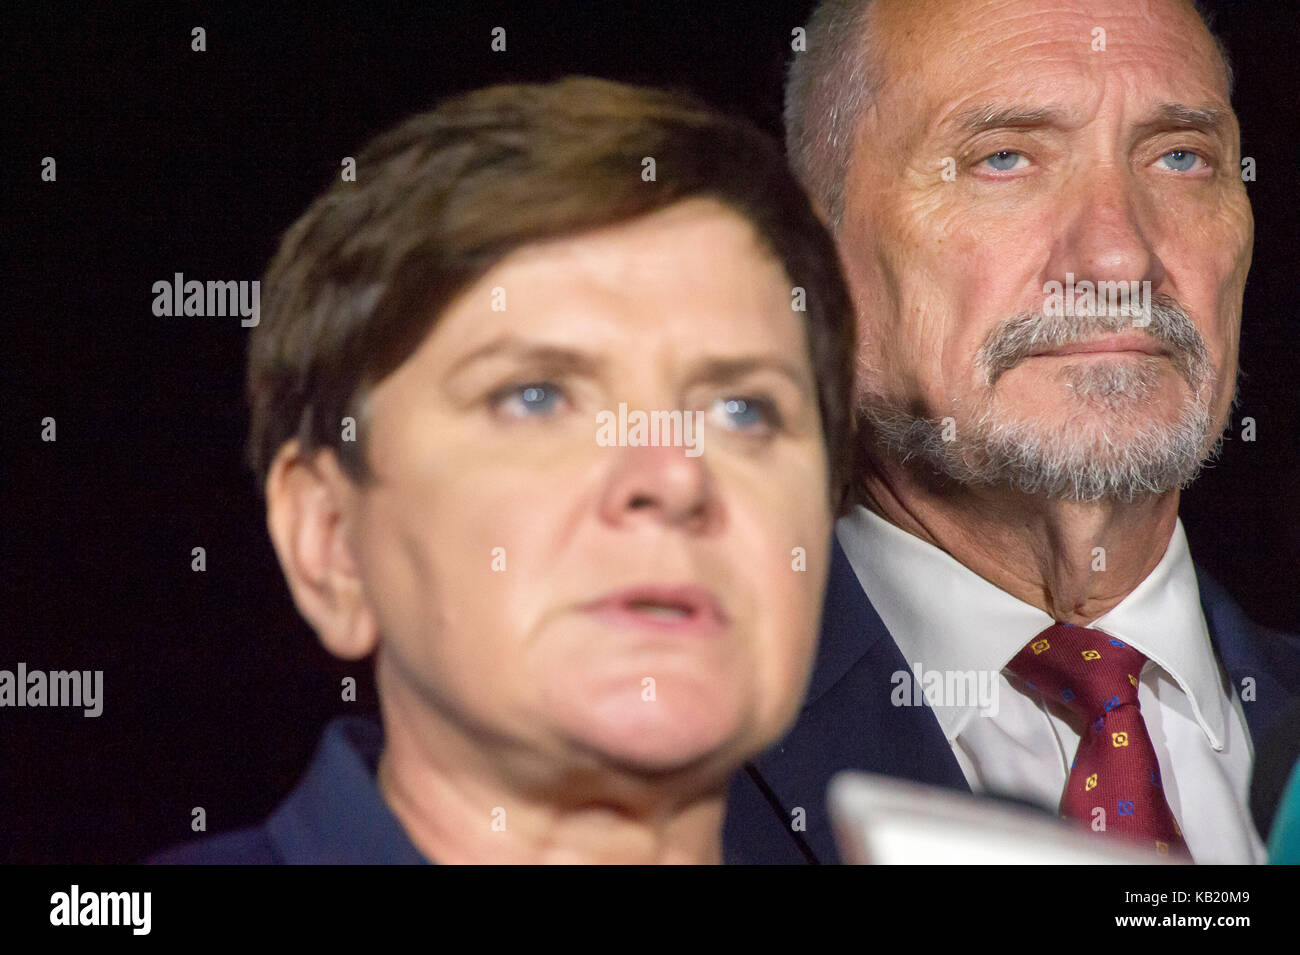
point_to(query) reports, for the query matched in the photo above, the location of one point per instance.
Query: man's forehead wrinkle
(965, 50)
(942, 57)
(962, 32)
(966, 35)
(1043, 106)
(1010, 32)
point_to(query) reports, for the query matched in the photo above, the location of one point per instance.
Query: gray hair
(830, 86)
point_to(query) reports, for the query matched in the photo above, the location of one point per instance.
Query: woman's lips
(661, 608)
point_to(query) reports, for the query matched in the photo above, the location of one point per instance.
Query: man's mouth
(1106, 345)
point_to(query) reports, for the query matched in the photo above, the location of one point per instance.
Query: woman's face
(536, 574)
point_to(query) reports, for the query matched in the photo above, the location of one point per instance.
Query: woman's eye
(1004, 160)
(1180, 160)
(532, 399)
(746, 414)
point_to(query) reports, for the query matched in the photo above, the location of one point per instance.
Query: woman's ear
(309, 508)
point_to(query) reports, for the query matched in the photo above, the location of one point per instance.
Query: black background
(170, 161)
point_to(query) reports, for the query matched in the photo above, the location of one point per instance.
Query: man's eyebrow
(976, 119)
(1208, 119)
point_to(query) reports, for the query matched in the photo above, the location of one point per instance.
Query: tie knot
(1087, 670)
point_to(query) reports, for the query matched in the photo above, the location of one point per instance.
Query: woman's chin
(656, 737)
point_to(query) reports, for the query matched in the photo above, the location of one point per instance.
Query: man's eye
(1003, 160)
(528, 400)
(746, 414)
(1180, 160)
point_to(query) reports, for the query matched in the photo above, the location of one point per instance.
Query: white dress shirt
(945, 617)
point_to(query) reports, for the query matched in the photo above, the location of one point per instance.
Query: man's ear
(309, 508)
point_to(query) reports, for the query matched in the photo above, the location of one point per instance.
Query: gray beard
(1064, 459)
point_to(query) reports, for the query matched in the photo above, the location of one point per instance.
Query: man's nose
(1107, 230)
(658, 485)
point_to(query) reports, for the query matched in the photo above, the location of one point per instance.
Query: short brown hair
(360, 279)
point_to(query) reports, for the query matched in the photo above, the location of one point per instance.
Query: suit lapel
(1260, 663)
(849, 721)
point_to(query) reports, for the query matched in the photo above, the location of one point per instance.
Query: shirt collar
(337, 814)
(1163, 618)
(944, 615)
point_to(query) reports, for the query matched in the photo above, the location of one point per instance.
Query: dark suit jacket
(336, 814)
(848, 721)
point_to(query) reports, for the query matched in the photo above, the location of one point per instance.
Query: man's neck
(1073, 561)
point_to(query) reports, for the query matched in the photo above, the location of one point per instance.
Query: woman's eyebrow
(722, 370)
(557, 357)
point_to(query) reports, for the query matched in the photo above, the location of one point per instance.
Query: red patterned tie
(1114, 782)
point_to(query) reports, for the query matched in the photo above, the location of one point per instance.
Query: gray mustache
(1021, 336)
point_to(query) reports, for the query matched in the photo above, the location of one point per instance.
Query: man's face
(506, 546)
(1008, 150)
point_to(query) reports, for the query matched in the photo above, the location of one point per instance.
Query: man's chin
(1091, 460)
(1092, 435)
(1084, 457)
(1105, 391)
